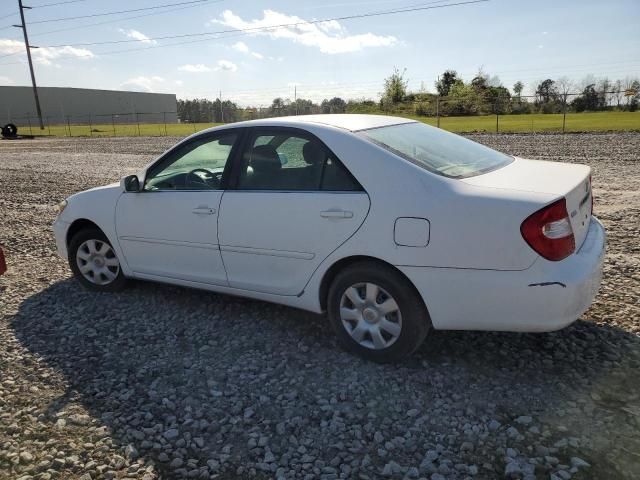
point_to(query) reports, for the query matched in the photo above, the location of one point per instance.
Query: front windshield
(436, 150)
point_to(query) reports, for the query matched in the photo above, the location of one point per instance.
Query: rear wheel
(376, 312)
(94, 261)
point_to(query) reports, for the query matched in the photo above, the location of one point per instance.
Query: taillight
(549, 232)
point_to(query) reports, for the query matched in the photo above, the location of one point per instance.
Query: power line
(123, 19)
(250, 30)
(10, 54)
(200, 3)
(64, 19)
(241, 32)
(57, 3)
(7, 16)
(283, 25)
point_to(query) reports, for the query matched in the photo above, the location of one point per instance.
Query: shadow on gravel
(198, 384)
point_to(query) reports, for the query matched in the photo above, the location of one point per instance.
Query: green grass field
(119, 130)
(538, 122)
(575, 122)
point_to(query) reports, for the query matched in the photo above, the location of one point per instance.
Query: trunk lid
(571, 181)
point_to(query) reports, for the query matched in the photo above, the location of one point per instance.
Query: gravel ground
(167, 382)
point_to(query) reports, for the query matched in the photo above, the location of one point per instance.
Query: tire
(9, 130)
(90, 248)
(372, 313)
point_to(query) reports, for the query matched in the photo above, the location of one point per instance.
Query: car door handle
(203, 211)
(336, 214)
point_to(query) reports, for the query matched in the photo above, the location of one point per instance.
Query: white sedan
(391, 226)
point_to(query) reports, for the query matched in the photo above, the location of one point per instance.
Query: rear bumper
(60, 232)
(545, 297)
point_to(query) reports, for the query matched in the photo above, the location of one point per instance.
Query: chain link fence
(111, 124)
(568, 112)
(559, 112)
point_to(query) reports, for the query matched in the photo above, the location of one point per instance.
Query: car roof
(347, 121)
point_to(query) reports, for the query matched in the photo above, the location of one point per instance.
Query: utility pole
(295, 97)
(221, 111)
(33, 76)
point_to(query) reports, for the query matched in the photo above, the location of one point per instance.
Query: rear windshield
(436, 150)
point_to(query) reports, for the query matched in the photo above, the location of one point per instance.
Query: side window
(198, 165)
(337, 178)
(291, 153)
(292, 162)
(282, 162)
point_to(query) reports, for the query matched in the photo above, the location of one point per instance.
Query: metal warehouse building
(82, 105)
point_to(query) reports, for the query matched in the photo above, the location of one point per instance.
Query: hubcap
(370, 315)
(97, 262)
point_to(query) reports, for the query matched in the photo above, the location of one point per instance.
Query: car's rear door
(292, 204)
(170, 228)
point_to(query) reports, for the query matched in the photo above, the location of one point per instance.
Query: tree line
(202, 110)
(484, 94)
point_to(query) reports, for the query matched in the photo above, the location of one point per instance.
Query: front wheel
(94, 261)
(376, 312)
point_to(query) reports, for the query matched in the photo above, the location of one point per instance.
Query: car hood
(102, 189)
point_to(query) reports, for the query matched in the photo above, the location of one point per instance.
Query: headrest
(313, 154)
(265, 158)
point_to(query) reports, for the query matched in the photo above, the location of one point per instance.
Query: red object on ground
(3, 263)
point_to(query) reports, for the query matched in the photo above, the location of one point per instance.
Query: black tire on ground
(416, 322)
(76, 242)
(9, 130)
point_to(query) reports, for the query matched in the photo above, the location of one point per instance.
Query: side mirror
(131, 183)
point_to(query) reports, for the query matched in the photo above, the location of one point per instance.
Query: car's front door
(293, 203)
(170, 228)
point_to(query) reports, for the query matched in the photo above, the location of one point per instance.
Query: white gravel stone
(200, 385)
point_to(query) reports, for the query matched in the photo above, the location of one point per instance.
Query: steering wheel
(211, 180)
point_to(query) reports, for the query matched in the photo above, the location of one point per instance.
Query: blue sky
(515, 40)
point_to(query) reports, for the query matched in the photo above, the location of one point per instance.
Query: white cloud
(241, 47)
(194, 68)
(226, 65)
(201, 68)
(45, 55)
(11, 46)
(179, 83)
(136, 35)
(144, 84)
(329, 37)
(6, 80)
(330, 26)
